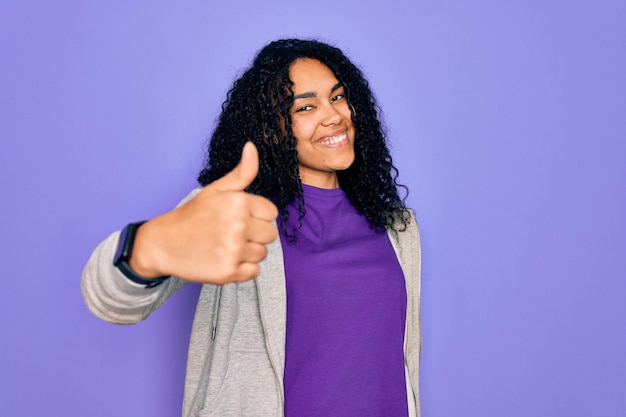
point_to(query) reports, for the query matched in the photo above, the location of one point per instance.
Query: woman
(329, 326)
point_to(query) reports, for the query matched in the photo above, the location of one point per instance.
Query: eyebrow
(311, 94)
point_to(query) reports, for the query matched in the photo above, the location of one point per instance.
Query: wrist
(129, 263)
(142, 257)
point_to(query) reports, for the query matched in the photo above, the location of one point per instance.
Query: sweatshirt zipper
(279, 382)
(216, 310)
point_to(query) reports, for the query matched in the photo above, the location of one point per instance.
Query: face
(321, 123)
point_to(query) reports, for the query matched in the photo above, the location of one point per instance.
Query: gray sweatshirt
(239, 372)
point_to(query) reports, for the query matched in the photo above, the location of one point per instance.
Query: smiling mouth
(334, 140)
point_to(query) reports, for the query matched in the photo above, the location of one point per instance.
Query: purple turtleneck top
(346, 308)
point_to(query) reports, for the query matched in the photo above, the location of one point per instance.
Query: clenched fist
(217, 237)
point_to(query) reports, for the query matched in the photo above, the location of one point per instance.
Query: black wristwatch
(122, 255)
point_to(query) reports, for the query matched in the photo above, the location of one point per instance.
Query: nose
(331, 115)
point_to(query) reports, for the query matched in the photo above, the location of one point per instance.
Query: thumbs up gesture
(217, 237)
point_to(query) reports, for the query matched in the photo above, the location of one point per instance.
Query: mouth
(334, 140)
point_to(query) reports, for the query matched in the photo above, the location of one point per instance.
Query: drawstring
(216, 309)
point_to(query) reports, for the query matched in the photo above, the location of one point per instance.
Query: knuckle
(238, 227)
(229, 273)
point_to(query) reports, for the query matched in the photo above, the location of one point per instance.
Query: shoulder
(406, 237)
(190, 195)
(407, 225)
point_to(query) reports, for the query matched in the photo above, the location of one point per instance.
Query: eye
(303, 108)
(338, 97)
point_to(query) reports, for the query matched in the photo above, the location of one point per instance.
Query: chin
(346, 165)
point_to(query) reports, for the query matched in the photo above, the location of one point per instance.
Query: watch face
(122, 254)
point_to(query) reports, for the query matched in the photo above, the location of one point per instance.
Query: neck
(327, 180)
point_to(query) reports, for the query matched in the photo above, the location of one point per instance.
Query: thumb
(244, 173)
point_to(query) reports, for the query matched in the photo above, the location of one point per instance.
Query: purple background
(508, 122)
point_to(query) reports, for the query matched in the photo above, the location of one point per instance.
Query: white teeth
(332, 140)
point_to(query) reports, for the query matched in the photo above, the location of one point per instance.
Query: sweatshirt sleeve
(111, 296)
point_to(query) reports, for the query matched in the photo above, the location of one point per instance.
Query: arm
(113, 297)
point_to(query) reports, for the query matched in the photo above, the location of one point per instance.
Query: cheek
(346, 112)
(295, 128)
(302, 130)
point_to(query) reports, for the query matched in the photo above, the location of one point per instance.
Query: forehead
(311, 74)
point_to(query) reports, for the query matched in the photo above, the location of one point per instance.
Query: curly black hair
(258, 109)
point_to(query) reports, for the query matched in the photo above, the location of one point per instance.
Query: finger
(247, 271)
(261, 208)
(260, 231)
(254, 253)
(243, 174)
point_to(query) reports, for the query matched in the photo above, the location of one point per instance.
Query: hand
(217, 237)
